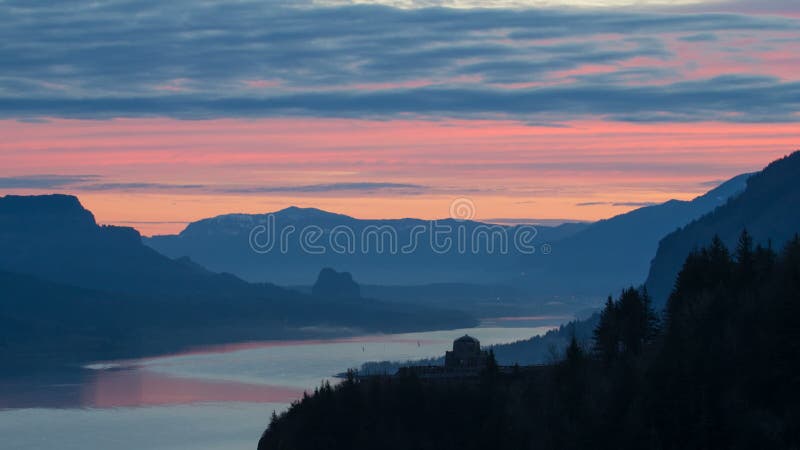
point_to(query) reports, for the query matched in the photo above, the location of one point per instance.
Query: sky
(159, 113)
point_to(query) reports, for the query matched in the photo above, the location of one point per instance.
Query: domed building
(466, 354)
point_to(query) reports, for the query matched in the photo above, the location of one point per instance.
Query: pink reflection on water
(254, 345)
(132, 387)
(528, 319)
(132, 384)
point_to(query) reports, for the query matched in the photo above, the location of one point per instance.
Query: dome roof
(467, 338)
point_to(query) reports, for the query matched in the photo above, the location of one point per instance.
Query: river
(210, 398)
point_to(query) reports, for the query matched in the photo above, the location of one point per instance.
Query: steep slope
(768, 208)
(614, 253)
(55, 238)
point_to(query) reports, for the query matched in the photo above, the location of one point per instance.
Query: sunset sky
(158, 113)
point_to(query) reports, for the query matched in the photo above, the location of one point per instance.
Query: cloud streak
(189, 60)
(43, 181)
(88, 183)
(137, 187)
(330, 187)
(618, 204)
(726, 99)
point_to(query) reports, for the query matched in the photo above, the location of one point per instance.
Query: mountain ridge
(614, 253)
(631, 239)
(763, 208)
(58, 252)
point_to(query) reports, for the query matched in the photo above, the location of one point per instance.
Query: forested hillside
(717, 371)
(768, 208)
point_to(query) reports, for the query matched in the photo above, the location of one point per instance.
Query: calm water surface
(208, 398)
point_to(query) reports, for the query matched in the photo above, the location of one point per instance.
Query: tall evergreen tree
(745, 258)
(574, 353)
(606, 335)
(650, 320)
(634, 316)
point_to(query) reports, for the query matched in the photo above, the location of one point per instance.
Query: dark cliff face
(768, 209)
(54, 237)
(336, 285)
(45, 212)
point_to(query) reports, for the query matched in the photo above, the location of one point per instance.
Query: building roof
(467, 338)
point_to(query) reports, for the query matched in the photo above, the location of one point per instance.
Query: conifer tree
(606, 335)
(745, 258)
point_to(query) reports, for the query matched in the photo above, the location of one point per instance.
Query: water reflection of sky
(256, 372)
(206, 398)
(131, 387)
(304, 364)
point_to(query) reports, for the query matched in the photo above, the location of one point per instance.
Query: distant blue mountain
(614, 253)
(223, 244)
(587, 259)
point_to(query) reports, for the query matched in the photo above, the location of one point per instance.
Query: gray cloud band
(729, 99)
(91, 183)
(187, 59)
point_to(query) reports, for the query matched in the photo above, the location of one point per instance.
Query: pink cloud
(497, 163)
(261, 84)
(176, 85)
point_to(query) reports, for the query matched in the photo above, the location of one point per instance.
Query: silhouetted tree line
(719, 370)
